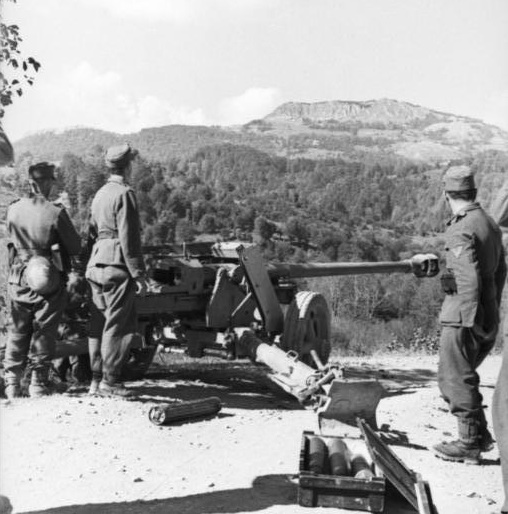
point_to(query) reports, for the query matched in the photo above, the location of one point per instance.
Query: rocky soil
(75, 454)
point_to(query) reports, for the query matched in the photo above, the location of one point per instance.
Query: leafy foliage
(377, 209)
(20, 70)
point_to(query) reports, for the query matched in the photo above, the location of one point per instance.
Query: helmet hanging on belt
(42, 276)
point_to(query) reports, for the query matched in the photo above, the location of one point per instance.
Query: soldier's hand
(141, 286)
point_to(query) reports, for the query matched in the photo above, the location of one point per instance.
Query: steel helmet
(41, 275)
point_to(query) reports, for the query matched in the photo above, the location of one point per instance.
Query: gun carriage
(221, 299)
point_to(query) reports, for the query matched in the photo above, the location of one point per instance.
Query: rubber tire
(307, 326)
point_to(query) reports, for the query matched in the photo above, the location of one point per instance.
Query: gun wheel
(307, 327)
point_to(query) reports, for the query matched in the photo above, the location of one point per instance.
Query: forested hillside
(299, 203)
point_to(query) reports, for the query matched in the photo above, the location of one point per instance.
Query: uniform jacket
(475, 255)
(35, 224)
(499, 211)
(115, 226)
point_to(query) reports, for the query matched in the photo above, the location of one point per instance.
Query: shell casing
(317, 455)
(339, 463)
(171, 413)
(360, 466)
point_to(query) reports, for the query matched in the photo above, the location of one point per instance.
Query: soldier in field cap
(116, 271)
(36, 282)
(499, 212)
(472, 282)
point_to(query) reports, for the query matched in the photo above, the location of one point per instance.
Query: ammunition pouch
(448, 282)
(16, 273)
(11, 253)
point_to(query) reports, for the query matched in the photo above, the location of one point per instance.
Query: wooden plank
(391, 466)
(422, 490)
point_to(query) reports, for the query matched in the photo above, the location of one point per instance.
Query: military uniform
(34, 225)
(473, 283)
(500, 401)
(115, 264)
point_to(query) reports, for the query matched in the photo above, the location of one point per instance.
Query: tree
(22, 70)
(208, 224)
(264, 228)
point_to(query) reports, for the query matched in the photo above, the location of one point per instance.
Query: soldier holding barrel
(473, 282)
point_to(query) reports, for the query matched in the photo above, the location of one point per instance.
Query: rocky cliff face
(383, 111)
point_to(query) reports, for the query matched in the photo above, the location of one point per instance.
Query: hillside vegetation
(273, 182)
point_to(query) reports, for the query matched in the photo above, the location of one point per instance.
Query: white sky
(123, 65)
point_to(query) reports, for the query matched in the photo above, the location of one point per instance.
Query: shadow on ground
(266, 491)
(238, 386)
(395, 381)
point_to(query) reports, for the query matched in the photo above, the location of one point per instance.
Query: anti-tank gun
(222, 299)
(203, 295)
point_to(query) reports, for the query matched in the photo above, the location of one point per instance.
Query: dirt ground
(75, 454)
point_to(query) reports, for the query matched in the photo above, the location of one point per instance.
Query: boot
(486, 440)
(114, 390)
(466, 448)
(39, 383)
(12, 387)
(94, 387)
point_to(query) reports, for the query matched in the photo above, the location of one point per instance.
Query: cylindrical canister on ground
(171, 413)
(338, 451)
(360, 468)
(318, 454)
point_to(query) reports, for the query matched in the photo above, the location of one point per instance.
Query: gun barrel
(328, 269)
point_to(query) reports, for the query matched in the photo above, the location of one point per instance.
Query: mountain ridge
(350, 130)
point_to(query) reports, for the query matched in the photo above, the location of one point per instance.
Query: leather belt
(26, 253)
(107, 234)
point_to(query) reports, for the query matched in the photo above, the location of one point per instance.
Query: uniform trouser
(461, 351)
(113, 324)
(34, 330)
(500, 415)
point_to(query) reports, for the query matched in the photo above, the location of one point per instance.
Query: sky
(124, 65)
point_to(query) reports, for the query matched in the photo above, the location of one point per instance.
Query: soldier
(500, 400)
(473, 282)
(37, 278)
(116, 272)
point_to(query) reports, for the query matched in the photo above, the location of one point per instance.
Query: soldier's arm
(69, 238)
(499, 208)
(129, 234)
(500, 276)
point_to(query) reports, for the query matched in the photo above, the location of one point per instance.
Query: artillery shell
(360, 468)
(365, 474)
(339, 464)
(317, 455)
(171, 413)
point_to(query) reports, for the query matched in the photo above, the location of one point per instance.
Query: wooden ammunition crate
(344, 492)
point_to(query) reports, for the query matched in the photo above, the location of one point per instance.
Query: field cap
(118, 156)
(459, 178)
(41, 170)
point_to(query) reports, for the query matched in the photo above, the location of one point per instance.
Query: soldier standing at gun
(473, 282)
(500, 399)
(116, 271)
(42, 240)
